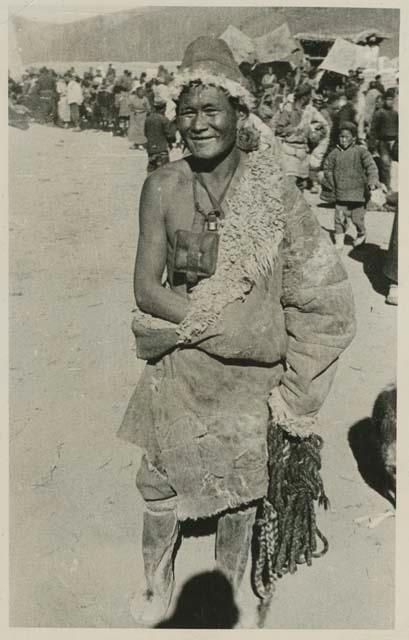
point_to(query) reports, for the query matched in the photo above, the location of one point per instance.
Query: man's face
(389, 102)
(345, 138)
(207, 121)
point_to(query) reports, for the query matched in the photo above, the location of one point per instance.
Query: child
(348, 171)
(159, 133)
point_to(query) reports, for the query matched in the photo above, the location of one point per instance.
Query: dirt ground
(75, 513)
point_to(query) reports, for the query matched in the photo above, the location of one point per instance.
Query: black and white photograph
(203, 214)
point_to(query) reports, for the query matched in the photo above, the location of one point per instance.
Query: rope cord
(287, 532)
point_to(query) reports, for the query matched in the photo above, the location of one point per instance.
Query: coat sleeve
(319, 317)
(369, 165)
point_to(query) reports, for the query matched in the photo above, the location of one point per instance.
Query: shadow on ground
(206, 601)
(365, 449)
(372, 258)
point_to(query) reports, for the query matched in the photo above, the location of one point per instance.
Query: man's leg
(340, 225)
(233, 540)
(358, 220)
(159, 538)
(75, 115)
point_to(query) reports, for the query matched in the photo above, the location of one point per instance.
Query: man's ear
(242, 116)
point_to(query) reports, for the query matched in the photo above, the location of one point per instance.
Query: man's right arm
(151, 256)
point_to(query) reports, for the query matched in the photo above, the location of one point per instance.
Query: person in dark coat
(347, 113)
(159, 133)
(384, 134)
(348, 172)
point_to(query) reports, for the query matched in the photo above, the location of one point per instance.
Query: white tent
(241, 45)
(343, 56)
(276, 46)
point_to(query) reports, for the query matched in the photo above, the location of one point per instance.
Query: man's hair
(235, 102)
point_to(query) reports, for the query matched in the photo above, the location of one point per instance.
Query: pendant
(212, 220)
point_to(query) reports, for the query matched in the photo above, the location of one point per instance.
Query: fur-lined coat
(263, 335)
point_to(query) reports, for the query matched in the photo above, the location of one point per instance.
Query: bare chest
(187, 210)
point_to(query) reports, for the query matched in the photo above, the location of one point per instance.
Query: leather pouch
(195, 254)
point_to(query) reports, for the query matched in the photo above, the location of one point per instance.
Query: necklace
(217, 212)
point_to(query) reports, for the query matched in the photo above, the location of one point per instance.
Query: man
(384, 134)
(89, 75)
(371, 97)
(268, 82)
(46, 88)
(347, 113)
(124, 82)
(75, 99)
(98, 78)
(159, 133)
(256, 303)
(379, 84)
(110, 74)
(295, 124)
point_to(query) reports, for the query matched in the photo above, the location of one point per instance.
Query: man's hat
(349, 126)
(390, 93)
(210, 61)
(214, 55)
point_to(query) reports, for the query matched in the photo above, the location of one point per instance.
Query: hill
(162, 33)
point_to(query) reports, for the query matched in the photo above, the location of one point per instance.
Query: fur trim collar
(249, 241)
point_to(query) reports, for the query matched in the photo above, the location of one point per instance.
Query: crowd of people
(338, 134)
(304, 109)
(124, 104)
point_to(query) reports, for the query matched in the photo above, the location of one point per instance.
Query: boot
(360, 239)
(233, 539)
(392, 297)
(160, 534)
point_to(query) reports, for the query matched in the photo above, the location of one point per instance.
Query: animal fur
(384, 422)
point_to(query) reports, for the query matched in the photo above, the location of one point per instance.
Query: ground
(75, 513)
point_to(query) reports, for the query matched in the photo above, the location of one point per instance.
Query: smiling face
(207, 121)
